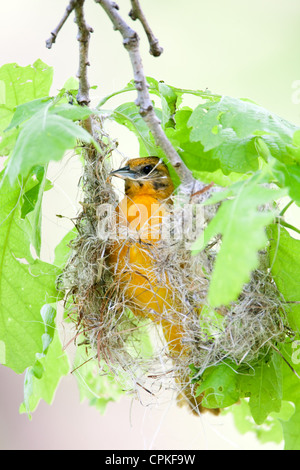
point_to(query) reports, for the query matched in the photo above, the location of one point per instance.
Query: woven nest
(242, 332)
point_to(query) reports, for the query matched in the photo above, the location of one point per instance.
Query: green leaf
(228, 128)
(220, 385)
(31, 195)
(44, 137)
(71, 84)
(31, 209)
(192, 153)
(242, 226)
(291, 393)
(168, 101)
(225, 384)
(25, 283)
(2, 92)
(291, 429)
(217, 177)
(42, 379)
(288, 176)
(264, 388)
(26, 110)
(214, 122)
(284, 254)
(270, 430)
(99, 388)
(128, 115)
(285, 175)
(73, 112)
(237, 155)
(70, 89)
(22, 84)
(62, 250)
(8, 142)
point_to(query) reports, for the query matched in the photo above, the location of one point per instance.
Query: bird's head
(148, 175)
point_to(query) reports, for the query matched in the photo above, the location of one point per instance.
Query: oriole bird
(148, 188)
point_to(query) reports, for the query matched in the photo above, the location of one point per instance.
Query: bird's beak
(124, 173)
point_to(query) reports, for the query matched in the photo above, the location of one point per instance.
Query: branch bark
(83, 36)
(51, 40)
(189, 184)
(137, 13)
(131, 43)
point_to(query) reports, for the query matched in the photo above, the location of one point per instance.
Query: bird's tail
(174, 334)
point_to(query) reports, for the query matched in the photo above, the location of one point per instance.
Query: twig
(137, 13)
(203, 190)
(56, 30)
(83, 36)
(131, 43)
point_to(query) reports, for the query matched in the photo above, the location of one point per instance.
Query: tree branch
(137, 13)
(131, 43)
(83, 36)
(56, 30)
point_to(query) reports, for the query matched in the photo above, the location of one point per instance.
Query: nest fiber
(133, 347)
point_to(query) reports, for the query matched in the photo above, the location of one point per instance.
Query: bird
(141, 214)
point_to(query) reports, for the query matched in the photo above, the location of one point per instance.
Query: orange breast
(147, 292)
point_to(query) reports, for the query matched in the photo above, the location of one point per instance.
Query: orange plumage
(148, 187)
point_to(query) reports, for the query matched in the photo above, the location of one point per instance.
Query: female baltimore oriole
(148, 187)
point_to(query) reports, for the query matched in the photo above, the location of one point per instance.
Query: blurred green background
(240, 48)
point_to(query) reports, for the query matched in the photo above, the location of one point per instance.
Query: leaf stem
(111, 95)
(286, 208)
(199, 93)
(285, 224)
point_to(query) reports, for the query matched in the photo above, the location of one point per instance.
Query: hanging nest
(242, 332)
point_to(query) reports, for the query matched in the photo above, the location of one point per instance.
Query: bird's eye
(146, 170)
